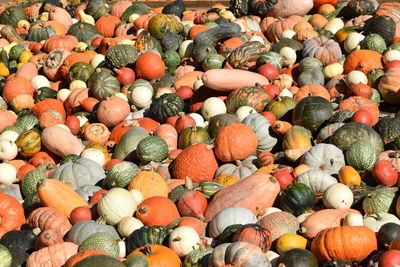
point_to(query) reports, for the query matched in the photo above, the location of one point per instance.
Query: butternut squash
(59, 196)
(227, 80)
(61, 142)
(323, 219)
(256, 192)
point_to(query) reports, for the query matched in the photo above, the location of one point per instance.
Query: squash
(240, 170)
(83, 229)
(279, 223)
(56, 254)
(70, 144)
(153, 255)
(102, 241)
(297, 198)
(387, 86)
(338, 196)
(288, 8)
(318, 180)
(147, 235)
(19, 243)
(261, 126)
(298, 257)
(326, 157)
(290, 241)
(98, 259)
(380, 200)
(236, 195)
(128, 142)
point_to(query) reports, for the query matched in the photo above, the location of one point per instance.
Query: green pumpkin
(272, 58)
(252, 96)
(166, 80)
(198, 257)
(128, 143)
(361, 155)
(136, 8)
(297, 257)
(373, 42)
(99, 261)
(40, 34)
(310, 63)
(297, 199)
(102, 241)
(80, 71)
(213, 61)
(219, 121)
(96, 9)
(171, 41)
(121, 174)
(121, 55)
(388, 128)
(384, 26)
(45, 92)
(281, 105)
(15, 51)
(83, 31)
(20, 243)
(167, 105)
(193, 135)
(172, 60)
(311, 76)
(260, 8)
(352, 132)
(380, 200)
(147, 235)
(31, 180)
(152, 148)
(27, 122)
(161, 24)
(376, 97)
(12, 15)
(311, 112)
(6, 258)
(103, 84)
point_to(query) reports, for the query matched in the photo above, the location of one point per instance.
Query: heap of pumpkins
(261, 134)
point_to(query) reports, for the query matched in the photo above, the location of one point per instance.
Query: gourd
(83, 229)
(183, 240)
(325, 157)
(317, 180)
(338, 196)
(260, 125)
(297, 198)
(102, 241)
(128, 142)
(381, 200)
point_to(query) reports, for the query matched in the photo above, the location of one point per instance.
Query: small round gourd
(63, 94)
(127, 225)
(355, 77)
(244, 111)
(8, 149)
(40, 81)
(183, 240)
(9, 135)
(338, 196)
(353, 219)
(152, 148)
(141, 96)
(8, 173)
(361, 155)
(332, 70)
(352, 41)
(94, 154)
(197, 118)
(213, 106)
(288, 55)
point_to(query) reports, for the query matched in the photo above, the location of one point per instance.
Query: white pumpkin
(8, 149)
(285, 92)
(356, 77)
(141, 96)
(353, 219)
(63, 94)
(352, 41)
(76, 84)
(338, 196)
(198, 119)
(8, 174)
(288, 55)
(137, 196)
(95, 155)
(186, 48)
(256, 38)
(326, 157)
(127, 225)
(244, 111)
(334, 25)
(229, 216)
(82, 120)
(10, 135)
(288, 34)
(212, 106)
(116, 204)
(375, 221)
(391, 55)
(332, 70)
(40, 81)
(317, 180)
(183, 240)
(96, 60)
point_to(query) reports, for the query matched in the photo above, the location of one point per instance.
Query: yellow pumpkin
(25, 56)
(296, 137)
(348, 175)
(290, 241)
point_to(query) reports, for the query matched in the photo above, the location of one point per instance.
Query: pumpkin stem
(101, 219)
(210, 146)
(181, 114)
(142, 210)
(238, 163)
(147, 250)
(188, 183)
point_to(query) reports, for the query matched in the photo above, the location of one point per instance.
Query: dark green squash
(121, 55)
(297, 257)
(99, 261)
(343, 115)
(135, 8)
(311, 112)
(373, 42)
(171, 41)
(354, 131)
(219, 121)
(80, 71)
(172, 60)
(83, 31)
(40, 34)
(176, 8)
(387, 233)
(31, 181)
(161, 24)
(281, 105)
(311, 76)
(152, 149)
(12, 15)
(388, 128)
(96, 9)
(165, 106)
(147, 235)
(356, 8)
(15, 51)
(193, 135)
(381, 25)
(166, 80)
(213, 61)
(261, 7)
(374, 76)
(272, 58)
(21, 243)
(200, 52)
(103, 241)
(121, 174)
(297, 199)
(45, 92)
(227, 235)
(310, 63)
(103, 85)
(252, 96)
(239, 8)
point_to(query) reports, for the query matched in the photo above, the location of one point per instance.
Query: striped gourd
(245, 54)
(103, 84)
(390, 9)
(29, 142)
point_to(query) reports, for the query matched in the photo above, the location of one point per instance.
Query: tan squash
(52, 136)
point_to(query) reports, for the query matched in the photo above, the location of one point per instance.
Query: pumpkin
(56, 254)
(143, 178)
(296, 137)
(326, 157)
(380, 200)
(83, 229)
(112, 111)
(318, 180)
(387, 86)
(196, 162)
(323, 49)
(67, 42)
(193, 135)
(154, 255)
(157, 210)
(363, 60)
(297, 198)
(80, 256)
(16, 86)
(297, 257)
(350, 237)
(241, 170)
(279, 223)
(103, 85)
(236, 195)
(147, 235)
(102, 241)
(12, 215)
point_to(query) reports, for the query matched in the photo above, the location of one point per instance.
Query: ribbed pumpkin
(389, 86)
(112, 111)
(154, 255)
(196, 162)
(16, 86)
(355, 103)
(235, 142)
(103, 84)
(49, 104)
(157, 211)
(67, 42)
(255, 97)
(149, 66)
(121, 55)
(150, 184)
(71, 60)
(106, 25)
(363, 60)
(11, 213)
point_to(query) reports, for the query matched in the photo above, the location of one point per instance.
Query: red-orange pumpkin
(67, 42)
(157, 210)
(106, 25)
(7, 118)
(363, 60)
(17, 86)
(149, 66)
(11, 214)
(355, 103)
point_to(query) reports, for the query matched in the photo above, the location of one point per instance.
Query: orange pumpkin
(312, 90)
(149, 66)
(71, 60)
(49, 104)
(40, 158)
(235, 142)
(16, 86)
(155, 255)
(363, 60)
(82, 255)
(60, 15)
(11, 214)
(113, 111)
(196, 29)
(97, 133)
(7, 118)
(67, 42)
(150, 184)
(106, 25)
(355, 103)
(157, 210)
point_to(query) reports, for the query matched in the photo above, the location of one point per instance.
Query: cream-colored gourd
(213, 106)
(338, 196)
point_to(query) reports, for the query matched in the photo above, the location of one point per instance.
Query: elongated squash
(323, 219)
(227, 80)
(59, 196)
(287, 8)
(61, 142)
(188, 79)
(256, 192)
